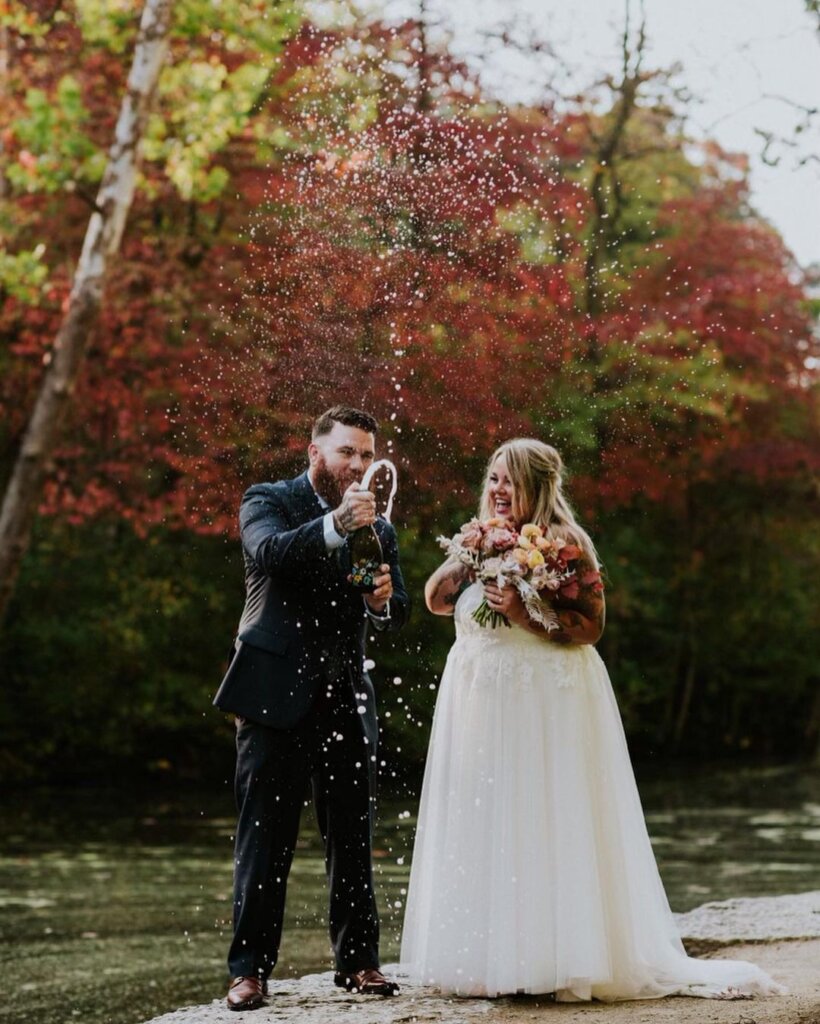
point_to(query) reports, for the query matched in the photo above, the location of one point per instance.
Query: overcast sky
(745, 62)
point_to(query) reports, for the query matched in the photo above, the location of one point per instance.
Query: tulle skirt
(532, 870)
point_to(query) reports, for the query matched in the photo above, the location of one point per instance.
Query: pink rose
(471, 535)
(498, 539)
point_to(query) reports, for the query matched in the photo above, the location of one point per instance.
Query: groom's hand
(377, 601)
(358, 508)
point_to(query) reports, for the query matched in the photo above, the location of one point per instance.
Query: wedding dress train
(532, 870)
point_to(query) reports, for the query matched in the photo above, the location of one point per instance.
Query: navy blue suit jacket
(302, 619)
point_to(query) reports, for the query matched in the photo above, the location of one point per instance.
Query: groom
(305, 708)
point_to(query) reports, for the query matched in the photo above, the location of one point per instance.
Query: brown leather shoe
(246, 993)
(368, 982)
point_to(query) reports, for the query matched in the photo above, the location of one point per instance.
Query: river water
(115, 908)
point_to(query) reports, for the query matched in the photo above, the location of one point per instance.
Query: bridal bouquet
(525, 559)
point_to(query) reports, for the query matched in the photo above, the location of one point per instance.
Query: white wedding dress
(532, 870)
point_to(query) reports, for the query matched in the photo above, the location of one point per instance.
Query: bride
(533, 871)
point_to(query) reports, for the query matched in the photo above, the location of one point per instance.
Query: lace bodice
(511, 655)
(467, 627)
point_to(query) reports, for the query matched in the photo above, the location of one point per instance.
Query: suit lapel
(305, 500)
(307, 507)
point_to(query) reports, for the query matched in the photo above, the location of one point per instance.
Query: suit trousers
(273, 767)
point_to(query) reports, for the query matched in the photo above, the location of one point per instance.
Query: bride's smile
(501, 489)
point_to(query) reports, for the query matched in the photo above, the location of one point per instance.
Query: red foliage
(387, 267)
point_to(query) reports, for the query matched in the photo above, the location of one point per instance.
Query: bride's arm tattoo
(581, 617)
(448, 583)
(574, 627)
(453, 596)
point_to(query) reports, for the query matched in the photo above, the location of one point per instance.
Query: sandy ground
(314, 1000)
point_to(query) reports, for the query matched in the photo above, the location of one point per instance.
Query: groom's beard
(330, 486)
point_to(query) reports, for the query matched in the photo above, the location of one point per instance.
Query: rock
(314, 999)
(754, 920)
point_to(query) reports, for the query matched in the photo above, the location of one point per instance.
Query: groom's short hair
(345, 415)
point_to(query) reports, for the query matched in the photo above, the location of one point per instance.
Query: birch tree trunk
(102, 241)
(4, 77)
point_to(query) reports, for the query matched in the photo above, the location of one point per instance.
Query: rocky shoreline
(781, 934)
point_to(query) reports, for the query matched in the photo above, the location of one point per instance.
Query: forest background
(336, 210)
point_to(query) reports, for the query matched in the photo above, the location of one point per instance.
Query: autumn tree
(325, 215)
(54, 156)
(102, 241)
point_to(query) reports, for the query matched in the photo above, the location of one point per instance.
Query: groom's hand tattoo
(339, 525)
(356, 510)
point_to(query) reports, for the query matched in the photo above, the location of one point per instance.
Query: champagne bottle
(364, 549)
(366, 555)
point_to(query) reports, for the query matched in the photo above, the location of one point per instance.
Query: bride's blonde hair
(535, 470)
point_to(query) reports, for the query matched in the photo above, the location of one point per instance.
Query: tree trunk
(688, 622)
(102, 240)
(812, 731)
(688, 690)
(607, 151)
(4, 89)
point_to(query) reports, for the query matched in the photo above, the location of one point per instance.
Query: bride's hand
(505, 600)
